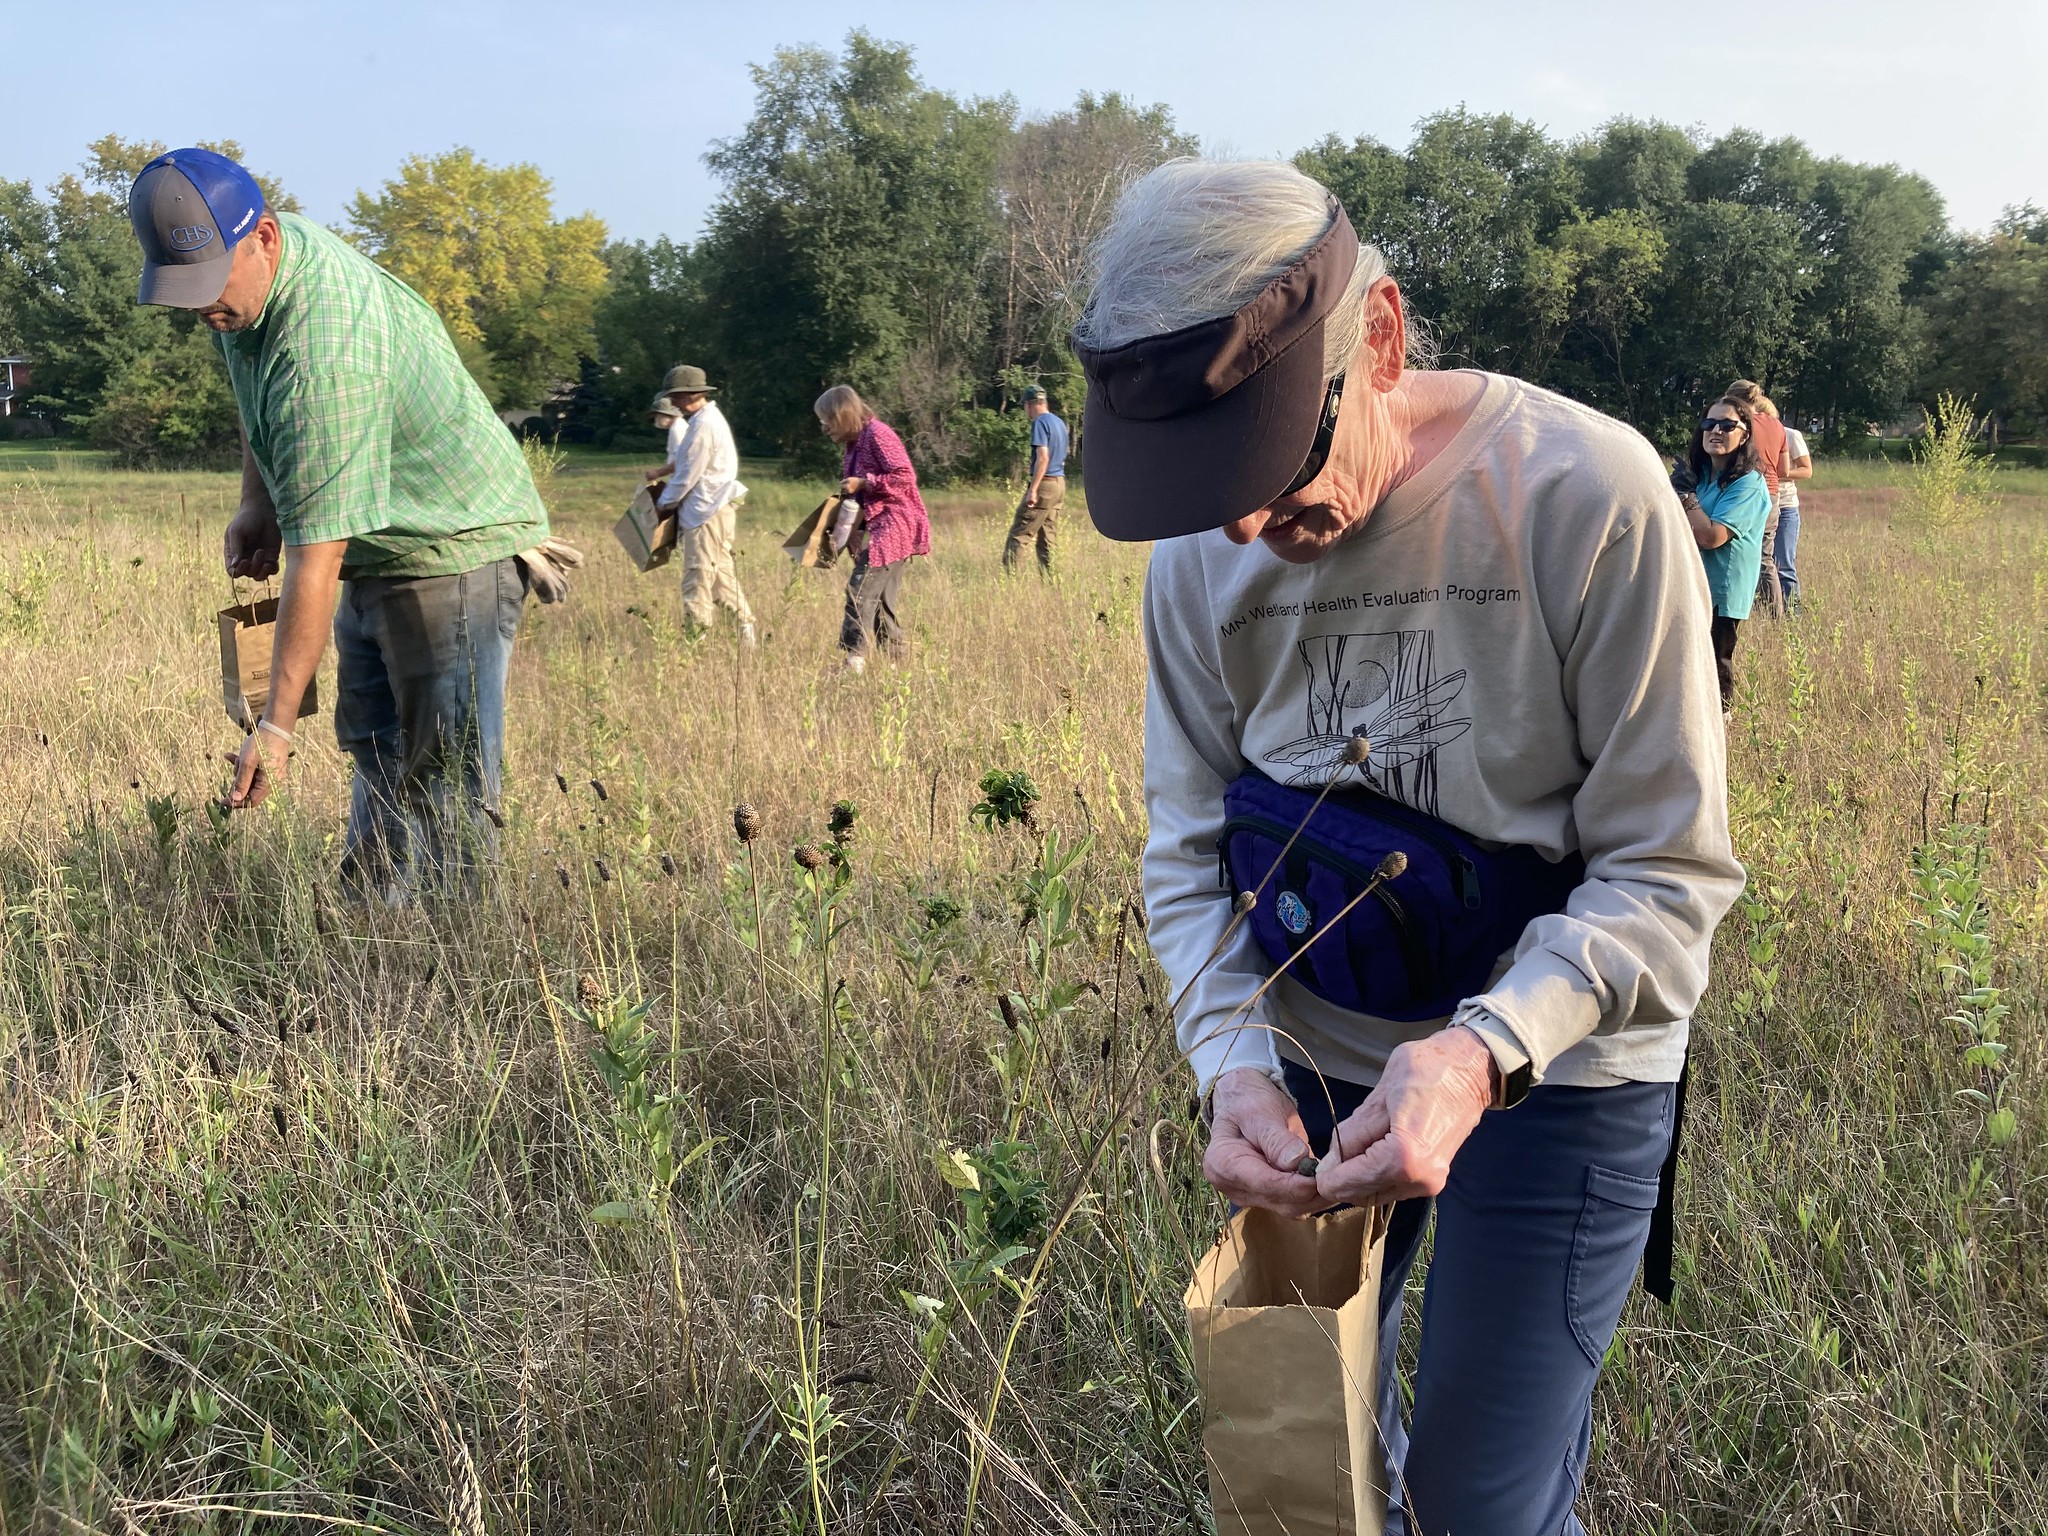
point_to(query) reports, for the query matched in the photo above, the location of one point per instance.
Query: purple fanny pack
(1423, 941)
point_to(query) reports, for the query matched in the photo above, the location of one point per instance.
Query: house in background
(13, 384)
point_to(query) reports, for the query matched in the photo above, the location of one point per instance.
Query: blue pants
(1786, 553)
(1538, 1234)
(422, 665)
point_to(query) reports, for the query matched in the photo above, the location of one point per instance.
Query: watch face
(1515, 1086)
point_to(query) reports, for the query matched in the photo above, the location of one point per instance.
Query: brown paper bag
(248, 638)
(646, 533)
(809, 543)
(1284, 1320)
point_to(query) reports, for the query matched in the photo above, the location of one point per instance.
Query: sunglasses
(1326, 429)
(1712, 424)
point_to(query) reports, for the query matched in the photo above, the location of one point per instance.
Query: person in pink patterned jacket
(894, 526)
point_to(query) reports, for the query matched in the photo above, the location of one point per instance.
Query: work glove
(1683, 480)
(548, 565)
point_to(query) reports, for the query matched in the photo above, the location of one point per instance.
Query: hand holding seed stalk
(1397, 1145)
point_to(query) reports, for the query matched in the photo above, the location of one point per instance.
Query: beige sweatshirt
(1522, 632)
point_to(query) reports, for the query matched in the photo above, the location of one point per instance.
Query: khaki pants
(710, 580)
(1040, 523)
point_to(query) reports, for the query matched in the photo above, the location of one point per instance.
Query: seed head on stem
(808, 858)
(1357, 749)
(1392, 867)
(746, 822)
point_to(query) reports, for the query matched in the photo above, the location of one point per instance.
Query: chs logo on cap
(190, 209)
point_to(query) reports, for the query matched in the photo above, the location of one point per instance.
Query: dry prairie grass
(319, 1213)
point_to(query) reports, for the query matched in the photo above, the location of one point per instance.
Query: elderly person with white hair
(1431, 678)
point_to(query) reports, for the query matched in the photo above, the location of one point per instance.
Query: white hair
(1199, 238)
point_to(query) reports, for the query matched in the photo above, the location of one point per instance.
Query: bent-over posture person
(372, 467)
(1475, 607)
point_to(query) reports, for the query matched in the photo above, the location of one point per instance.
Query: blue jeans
(1538, 1234)
(1786, 553)
(422, 665)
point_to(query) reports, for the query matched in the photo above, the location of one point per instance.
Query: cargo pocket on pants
(1614, 1223)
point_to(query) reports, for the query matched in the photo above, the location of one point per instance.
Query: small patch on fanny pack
(1292, 911)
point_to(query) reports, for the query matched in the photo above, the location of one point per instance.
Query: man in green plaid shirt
(371, 455)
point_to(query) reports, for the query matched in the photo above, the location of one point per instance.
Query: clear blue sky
(617, 99)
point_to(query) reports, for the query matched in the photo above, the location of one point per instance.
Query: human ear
(1385, 343)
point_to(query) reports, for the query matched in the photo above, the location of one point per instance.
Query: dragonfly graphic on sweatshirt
(1385, 687)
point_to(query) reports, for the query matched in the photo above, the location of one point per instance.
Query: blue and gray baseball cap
(190, 208)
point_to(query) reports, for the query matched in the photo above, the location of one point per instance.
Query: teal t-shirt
(1742, 506)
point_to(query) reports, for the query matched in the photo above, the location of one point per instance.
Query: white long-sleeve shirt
(703, 467)
(1522, 630)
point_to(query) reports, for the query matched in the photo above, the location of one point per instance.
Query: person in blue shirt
(1727, 502)
(1038, 514)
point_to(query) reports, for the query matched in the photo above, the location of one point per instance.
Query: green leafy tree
(517, 288)
(1865, 228)
(1469, 229)
(1988, 324)
(1058, 179)
(851, 243)
(1629, 165)
(1727, 307)
(1615, 264)
(651, 317)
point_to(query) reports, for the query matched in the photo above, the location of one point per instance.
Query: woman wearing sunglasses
(1728, 506)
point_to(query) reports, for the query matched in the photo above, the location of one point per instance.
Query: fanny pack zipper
(1464, 873)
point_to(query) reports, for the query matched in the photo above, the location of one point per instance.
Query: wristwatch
(1512, 1087)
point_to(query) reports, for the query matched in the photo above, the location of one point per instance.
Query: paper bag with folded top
(1283, 1317)
(646, 532)
(248, 639)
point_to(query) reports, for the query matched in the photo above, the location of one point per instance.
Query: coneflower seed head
(809, 858)
(1244, 902)
(746, 822)
(1393, 866)
(1357, 749)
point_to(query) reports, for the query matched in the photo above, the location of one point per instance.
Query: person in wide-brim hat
(687, 379)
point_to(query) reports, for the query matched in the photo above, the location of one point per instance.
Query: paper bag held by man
(248, 637)
(646, 533)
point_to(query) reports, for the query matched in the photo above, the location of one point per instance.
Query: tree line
(932, 251)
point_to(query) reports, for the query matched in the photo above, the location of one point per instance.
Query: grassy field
(675, 1188)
